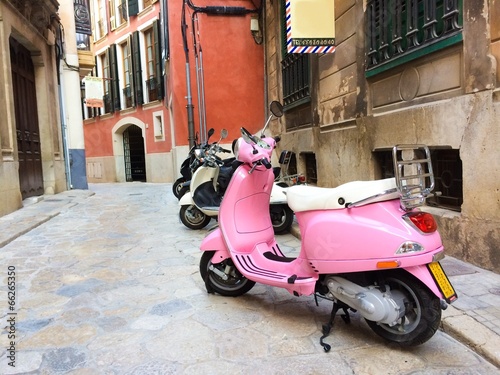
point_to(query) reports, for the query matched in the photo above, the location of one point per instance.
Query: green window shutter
(157, 47)
(133, 7)
(115, 82)
(136, 66)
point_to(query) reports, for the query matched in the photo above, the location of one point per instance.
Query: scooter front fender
(278, 195)
(215, 242)
(186, 200)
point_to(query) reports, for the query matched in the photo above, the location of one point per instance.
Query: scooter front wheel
(223, 278)
(192, 217)
(422, 313)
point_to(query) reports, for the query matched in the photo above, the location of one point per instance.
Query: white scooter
(208, 184)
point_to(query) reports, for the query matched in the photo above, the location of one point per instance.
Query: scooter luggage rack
(413, 173)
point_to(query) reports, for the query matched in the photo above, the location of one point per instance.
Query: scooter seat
(308, 198)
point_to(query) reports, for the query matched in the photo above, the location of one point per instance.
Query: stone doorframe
(118, 152)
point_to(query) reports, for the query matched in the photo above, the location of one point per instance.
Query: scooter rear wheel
(177, 187)
(232, 284)
(192, 217)
(422, 314)
(281, 217)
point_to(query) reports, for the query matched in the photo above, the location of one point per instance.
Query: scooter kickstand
(328, 327)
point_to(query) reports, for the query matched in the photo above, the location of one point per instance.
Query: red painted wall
(233, 67)
(233, 78)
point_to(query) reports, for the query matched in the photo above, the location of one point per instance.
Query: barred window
(399, 31)
(447, 169)
(295, 71)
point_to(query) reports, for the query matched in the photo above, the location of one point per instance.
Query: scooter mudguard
(186, 200)
(215, 242)
(278, 195)
(423, 273)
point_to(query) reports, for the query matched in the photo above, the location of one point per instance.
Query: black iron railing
(152, 87)
(401, 30)
(296, 81)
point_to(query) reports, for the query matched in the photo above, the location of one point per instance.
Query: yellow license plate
(442, 281)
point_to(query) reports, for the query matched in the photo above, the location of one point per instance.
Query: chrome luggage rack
(413, 173)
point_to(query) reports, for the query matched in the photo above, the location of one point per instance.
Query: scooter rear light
(423, 221)
(302, 179)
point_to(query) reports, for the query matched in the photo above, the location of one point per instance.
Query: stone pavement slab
(110, 285)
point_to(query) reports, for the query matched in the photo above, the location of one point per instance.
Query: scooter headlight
(409, 247)
(236, 150)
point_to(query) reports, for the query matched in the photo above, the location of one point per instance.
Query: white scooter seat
(308, 198)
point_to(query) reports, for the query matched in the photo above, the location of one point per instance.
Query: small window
(158, 126)
(311, 171)
(447, 169)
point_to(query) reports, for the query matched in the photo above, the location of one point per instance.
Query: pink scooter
(365, 244)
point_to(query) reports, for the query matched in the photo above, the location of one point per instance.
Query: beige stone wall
(40, 42)
(447, 98)
(101, 169)
(159, 168)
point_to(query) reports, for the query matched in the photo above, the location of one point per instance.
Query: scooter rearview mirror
(211, 132)
(223, 134)
(276, 108)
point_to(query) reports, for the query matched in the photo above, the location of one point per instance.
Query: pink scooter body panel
(355, 239)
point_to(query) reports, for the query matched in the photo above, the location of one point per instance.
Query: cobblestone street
(111, 286)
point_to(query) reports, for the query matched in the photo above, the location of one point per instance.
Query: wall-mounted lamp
(256, 30)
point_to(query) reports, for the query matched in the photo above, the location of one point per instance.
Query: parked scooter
(208, 186)
(190, 165)
(282, 175)
(365, 245)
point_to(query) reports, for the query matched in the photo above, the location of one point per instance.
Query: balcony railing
(129, 97)
(152, 87)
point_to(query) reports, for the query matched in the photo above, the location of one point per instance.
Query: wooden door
(26, 112)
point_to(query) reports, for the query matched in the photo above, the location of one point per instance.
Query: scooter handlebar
(266, 163)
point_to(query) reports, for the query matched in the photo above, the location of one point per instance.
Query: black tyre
(177, 186)
(234, 285)
(183, 190)
(422, 313)
(281, 217)
(193, 218)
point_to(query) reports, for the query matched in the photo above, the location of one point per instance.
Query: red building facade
(142, 132)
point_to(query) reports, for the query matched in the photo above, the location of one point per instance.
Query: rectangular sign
(310, 26)
(82, 17)
(94, 91)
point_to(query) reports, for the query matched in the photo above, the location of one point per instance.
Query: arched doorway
(135, 159)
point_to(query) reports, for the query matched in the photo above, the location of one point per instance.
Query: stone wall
(447, 98)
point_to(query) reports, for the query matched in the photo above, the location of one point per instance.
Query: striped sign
(310, 26)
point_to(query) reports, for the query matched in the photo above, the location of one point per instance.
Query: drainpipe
(62, 111)
(211, 10)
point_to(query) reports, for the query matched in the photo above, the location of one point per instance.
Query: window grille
(152, 87)
(399, 31)
(129, 99)
(447, 169)
(295, 71)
